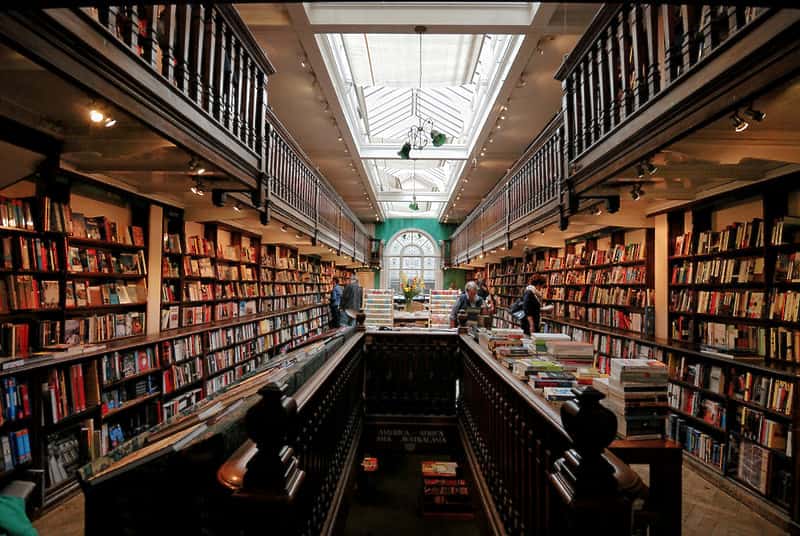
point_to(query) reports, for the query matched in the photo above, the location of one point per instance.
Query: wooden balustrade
(630, 55)
(536, 471)
(206, 52)
(544, 476)
(291, 475)
(531, 188)
(411, 374)
(213, 75)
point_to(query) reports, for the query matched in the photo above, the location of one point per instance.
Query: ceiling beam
(372, 152)
(390, 197)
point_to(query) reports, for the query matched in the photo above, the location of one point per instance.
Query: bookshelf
(442, 302)
(605, 279)
(78, 374)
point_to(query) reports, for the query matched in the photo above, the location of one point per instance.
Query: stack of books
(571, 354)
(636, 392)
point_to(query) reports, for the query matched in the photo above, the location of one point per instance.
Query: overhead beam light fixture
(419, 135)
(637, 192)
(195, 166)
(197, 188)
(739, 124)
(100, 116)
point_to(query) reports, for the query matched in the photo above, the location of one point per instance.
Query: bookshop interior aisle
(428, 264)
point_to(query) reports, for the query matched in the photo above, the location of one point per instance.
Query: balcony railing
(530, 189)
(615, 86)
(206, 53)
(196, 74)
(633, 53)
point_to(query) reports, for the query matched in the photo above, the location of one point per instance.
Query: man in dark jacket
(351, 302)
(469, 299)
(336, 302)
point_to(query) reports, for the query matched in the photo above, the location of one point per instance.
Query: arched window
(414, 253)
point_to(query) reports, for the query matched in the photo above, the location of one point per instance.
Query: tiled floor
(707, 511)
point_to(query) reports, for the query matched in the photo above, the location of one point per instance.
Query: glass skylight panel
(377, 80)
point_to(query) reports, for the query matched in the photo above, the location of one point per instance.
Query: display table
(409, 318)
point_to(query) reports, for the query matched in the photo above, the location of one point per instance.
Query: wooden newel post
(273, 470)
(360, 318)
(584, 478)
(461, 319)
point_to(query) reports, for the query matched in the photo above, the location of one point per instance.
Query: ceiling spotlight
(597, 210)
(96, 116)
(283, 228)
(298, 236)
(755, 115)
(237, 207)
(503, 108)
(197, 188)
(541, 231)
(498, 127)
(739, 124)
(502, 118)
(640, 170)
(637, 192)
(196, 167)
(651, 169)
(303, 62)
(109, 122)
(339, 138)
(526, 238)
(522, 81)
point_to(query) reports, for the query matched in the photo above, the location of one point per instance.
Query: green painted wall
(439, 231)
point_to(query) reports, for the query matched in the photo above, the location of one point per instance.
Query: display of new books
(442, 302)
(379, 307)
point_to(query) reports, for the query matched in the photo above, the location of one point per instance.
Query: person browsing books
(532, 305)
(336, 301)
(468, 300)
(351, 302)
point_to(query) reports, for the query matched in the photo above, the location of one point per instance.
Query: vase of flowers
(410, 287)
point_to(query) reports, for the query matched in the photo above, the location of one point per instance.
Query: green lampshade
(413, 205)
(438, 138)
(405, 151)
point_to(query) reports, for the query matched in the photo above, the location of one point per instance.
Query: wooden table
(415, 318)
(664, 458)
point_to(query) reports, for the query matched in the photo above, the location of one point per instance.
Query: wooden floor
(707, 511)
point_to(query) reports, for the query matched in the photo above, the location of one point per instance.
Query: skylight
(384, 90)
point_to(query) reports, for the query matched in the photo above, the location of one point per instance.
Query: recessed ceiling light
(498, 127)
(340, 138)
(237, 207)
(491, 140)
(502, 118)
(95, 115)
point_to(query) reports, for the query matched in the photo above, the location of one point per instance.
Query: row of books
(15, 449)
(17, 213)
(95, 260)
(27, 253)
(784, 306)
(618, 253)
(694, 403)
(15, 402)
(768, 392)
(727, 270)
(89, 294)
(786, 230)
(56, 216)
(631, 297)
(102, 228)
(27, 293)
(736, 303)
(736, 338)
(21, 338)
(696, 442)
(755, 426)
(100, 328)
(180, 403)
(735, 236)
(197, 245)
(128, 363)
(785, 344)
(66, 393)
(181, 375)
(700, 374)
(181, 349)
(117, 397)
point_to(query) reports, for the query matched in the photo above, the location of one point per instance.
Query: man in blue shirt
(469, 299)
(336, 300)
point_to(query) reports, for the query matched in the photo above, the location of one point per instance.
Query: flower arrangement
(410, 287)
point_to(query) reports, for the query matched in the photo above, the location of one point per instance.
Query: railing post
(168, 43)
(184, 19)
(273, 477)
(583, 478)
(651, 34)
(149, 40)
(209, 64)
